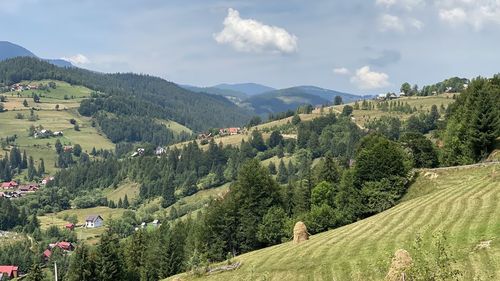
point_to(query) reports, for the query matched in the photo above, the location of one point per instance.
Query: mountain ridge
(10, 50)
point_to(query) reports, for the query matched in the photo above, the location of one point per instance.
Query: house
(57, 134)
(156, 223)
(66, 246)
(70, 226)
(139, 152)
(94, 221)
(46, 180)
(68, 148)
(8, 271)
(32, 187)
(229, 131)
(160, 150)
(9, 185)
(46, 254)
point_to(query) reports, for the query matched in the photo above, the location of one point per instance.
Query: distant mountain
(216, 91)
(250, 89)
(291, 98)
(10, 50)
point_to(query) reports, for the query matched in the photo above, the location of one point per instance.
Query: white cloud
(341, 71)
(366, 79)
(406, 4)
(248, 35)
(416, 23)
(477, 14)
(391, 23)
(77, 59)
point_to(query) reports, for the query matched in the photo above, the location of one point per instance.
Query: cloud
(341, 71)
(406, 4)
(77, 59)
(391, 23)
(416, 23)
(366, 79)
(248, 35)
(386, 57)
(477, 13)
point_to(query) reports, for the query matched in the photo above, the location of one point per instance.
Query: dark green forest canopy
(132, 94)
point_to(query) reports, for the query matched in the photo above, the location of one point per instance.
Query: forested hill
(132, 94)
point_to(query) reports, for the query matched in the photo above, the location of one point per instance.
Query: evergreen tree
(77, 150)
(126, 204)
(31, 169)
(109, 266)
(58, 146)
(82, 265)
(120, 203)
(24, 164)
(36, 273)
(282, 173)
(41, 168)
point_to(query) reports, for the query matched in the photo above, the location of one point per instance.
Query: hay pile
(400, 265)
(300, 233)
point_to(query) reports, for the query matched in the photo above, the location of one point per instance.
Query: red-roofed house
(70, 226)
(46, 254)
(66, 246)
(9, 271)
(9, 185)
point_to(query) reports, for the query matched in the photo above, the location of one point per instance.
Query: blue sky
(358, 46)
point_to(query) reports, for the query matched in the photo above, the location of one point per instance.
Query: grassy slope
(423, 104)
(131, 189)
(462, 202)
(90, 235)
(88, 137)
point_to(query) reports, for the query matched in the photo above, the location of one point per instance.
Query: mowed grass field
(90, 235)
(462, 203)
(51, 119)
(129, 188)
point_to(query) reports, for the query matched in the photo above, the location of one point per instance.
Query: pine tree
(120, 203)
(36, 273)
(109, 266)
(58, 146)
(31, 169)
(41, 168)
(126, 204)
(24, 164)
(82, 265)
(282, 173)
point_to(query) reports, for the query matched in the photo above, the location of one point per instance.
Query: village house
(68, 148)
(94, 221)
(57, 134)
(46, 180)
(139, 152)
(65, 246)
(156, 223)
(32, 187)
(8, 271)
(160, 150)
(9, 185)
(70, 226)
(229, 131)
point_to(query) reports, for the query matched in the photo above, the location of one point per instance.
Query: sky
(355, 46)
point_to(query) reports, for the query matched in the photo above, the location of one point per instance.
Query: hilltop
(458, 202)
(10, 50)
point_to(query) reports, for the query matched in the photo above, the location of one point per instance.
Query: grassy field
(90, 235)
(131, 189)
(52, 119)
(360, 117)
(462, 203)
(176, 127)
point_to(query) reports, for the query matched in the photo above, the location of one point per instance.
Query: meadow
(461, 203)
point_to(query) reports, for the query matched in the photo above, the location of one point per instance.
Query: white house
(94, 221)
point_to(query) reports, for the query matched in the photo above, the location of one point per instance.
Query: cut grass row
(462, 203)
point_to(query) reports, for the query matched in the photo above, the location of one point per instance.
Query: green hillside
(461, 202)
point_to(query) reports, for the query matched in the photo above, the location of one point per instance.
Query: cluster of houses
(63, 245)
(141, 151)
(388, 96)
(22, 87)
(43, 134)
(13, 189)
(230, 131)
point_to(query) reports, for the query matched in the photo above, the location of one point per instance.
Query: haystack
(400, 265)
(300, 233)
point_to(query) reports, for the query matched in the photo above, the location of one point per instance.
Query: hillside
(16, 121)
(217, 91)
(460, 202)
(291, 98)
(133, 95)
(10, 50)
(250, 89)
